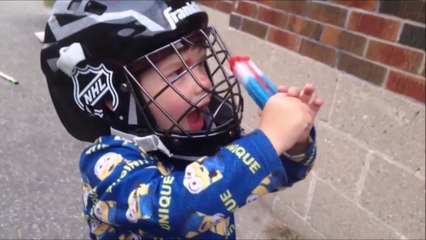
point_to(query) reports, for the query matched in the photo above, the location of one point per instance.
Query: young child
(148, 82)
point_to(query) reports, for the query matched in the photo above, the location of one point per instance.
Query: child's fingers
(259, 112)
(316, 104)
(307, 93)
(282, 88)
(293, 92)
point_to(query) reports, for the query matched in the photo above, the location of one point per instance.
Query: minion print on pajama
(220, 225)
(140, 204)
(269, 184)
(136, 236)
(201, 174)
(100, 230)
(197, 223)
(86, 193)
(106, 164)
(106, 211)
(161, 168)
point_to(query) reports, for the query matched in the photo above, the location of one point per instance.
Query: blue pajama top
(131, 194)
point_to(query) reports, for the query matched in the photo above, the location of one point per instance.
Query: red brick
(394, 55)
(304, 27)
(361, 68)
(327, 13)
(297, 7)
(273, 17)
(209, 3)
(407, 85)
(370, 5)
(380, 27)
(246, 8)
(340, 38)
(267, 2)
(318, 52)
(282, 38)
(225, 6)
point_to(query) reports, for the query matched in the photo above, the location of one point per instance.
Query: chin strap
(148, 143)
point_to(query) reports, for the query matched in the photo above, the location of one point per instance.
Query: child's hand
(305, 96)
(289, 116)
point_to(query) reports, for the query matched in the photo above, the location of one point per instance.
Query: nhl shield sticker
(91, 84)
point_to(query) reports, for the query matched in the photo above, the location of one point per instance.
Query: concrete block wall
(369, 178)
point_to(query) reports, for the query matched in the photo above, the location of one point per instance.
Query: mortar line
(399, 165)
(310, 196)
(291, 209)
(362, 178)
(367, 43)
(369, 213)
(334, 98)
(307, 223)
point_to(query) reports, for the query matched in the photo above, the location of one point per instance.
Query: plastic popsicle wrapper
(8, 78)
(258, 86)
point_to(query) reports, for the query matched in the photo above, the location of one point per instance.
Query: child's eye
(176, 73)
(179, 71)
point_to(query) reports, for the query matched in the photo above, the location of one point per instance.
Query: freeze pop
(258, 86)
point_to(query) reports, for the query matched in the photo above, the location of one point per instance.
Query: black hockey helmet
(94, 50)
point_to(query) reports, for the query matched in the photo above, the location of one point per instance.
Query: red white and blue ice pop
(258, 86)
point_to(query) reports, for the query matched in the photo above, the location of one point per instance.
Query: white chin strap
(148, 143)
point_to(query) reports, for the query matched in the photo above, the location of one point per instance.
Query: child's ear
(108, 103)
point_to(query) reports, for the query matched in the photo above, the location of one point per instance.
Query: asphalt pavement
(39, 180)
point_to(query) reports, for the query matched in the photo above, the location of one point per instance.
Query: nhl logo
(91, 84)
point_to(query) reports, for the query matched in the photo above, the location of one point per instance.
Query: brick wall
(380, 41)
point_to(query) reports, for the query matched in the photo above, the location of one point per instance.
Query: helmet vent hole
(95, 7)
(74, 4)
(126, 32)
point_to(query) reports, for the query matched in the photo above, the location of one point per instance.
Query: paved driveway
(39, 179)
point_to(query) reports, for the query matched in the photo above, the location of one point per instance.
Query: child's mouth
(195, 120)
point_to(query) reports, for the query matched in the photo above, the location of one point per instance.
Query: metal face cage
(224, 111)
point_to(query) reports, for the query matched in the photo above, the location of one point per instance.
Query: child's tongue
(195, 120)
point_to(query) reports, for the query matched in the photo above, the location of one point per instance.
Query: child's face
(170, 100)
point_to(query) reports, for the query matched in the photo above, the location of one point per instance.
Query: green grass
(49, 3)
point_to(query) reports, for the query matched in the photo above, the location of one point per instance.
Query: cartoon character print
(220, 224)
(130, 236)
(106, 164)
(197, 223)
(161, 168)
(120, 139)
(136, 236)
(201, 174)
(140, 204)
(269, 184)
(101, 230)
(106, 211)
(96, 147)
(86, 192)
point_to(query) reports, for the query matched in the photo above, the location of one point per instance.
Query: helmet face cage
(225, 109)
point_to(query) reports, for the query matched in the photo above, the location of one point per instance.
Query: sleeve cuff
(308, 156)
